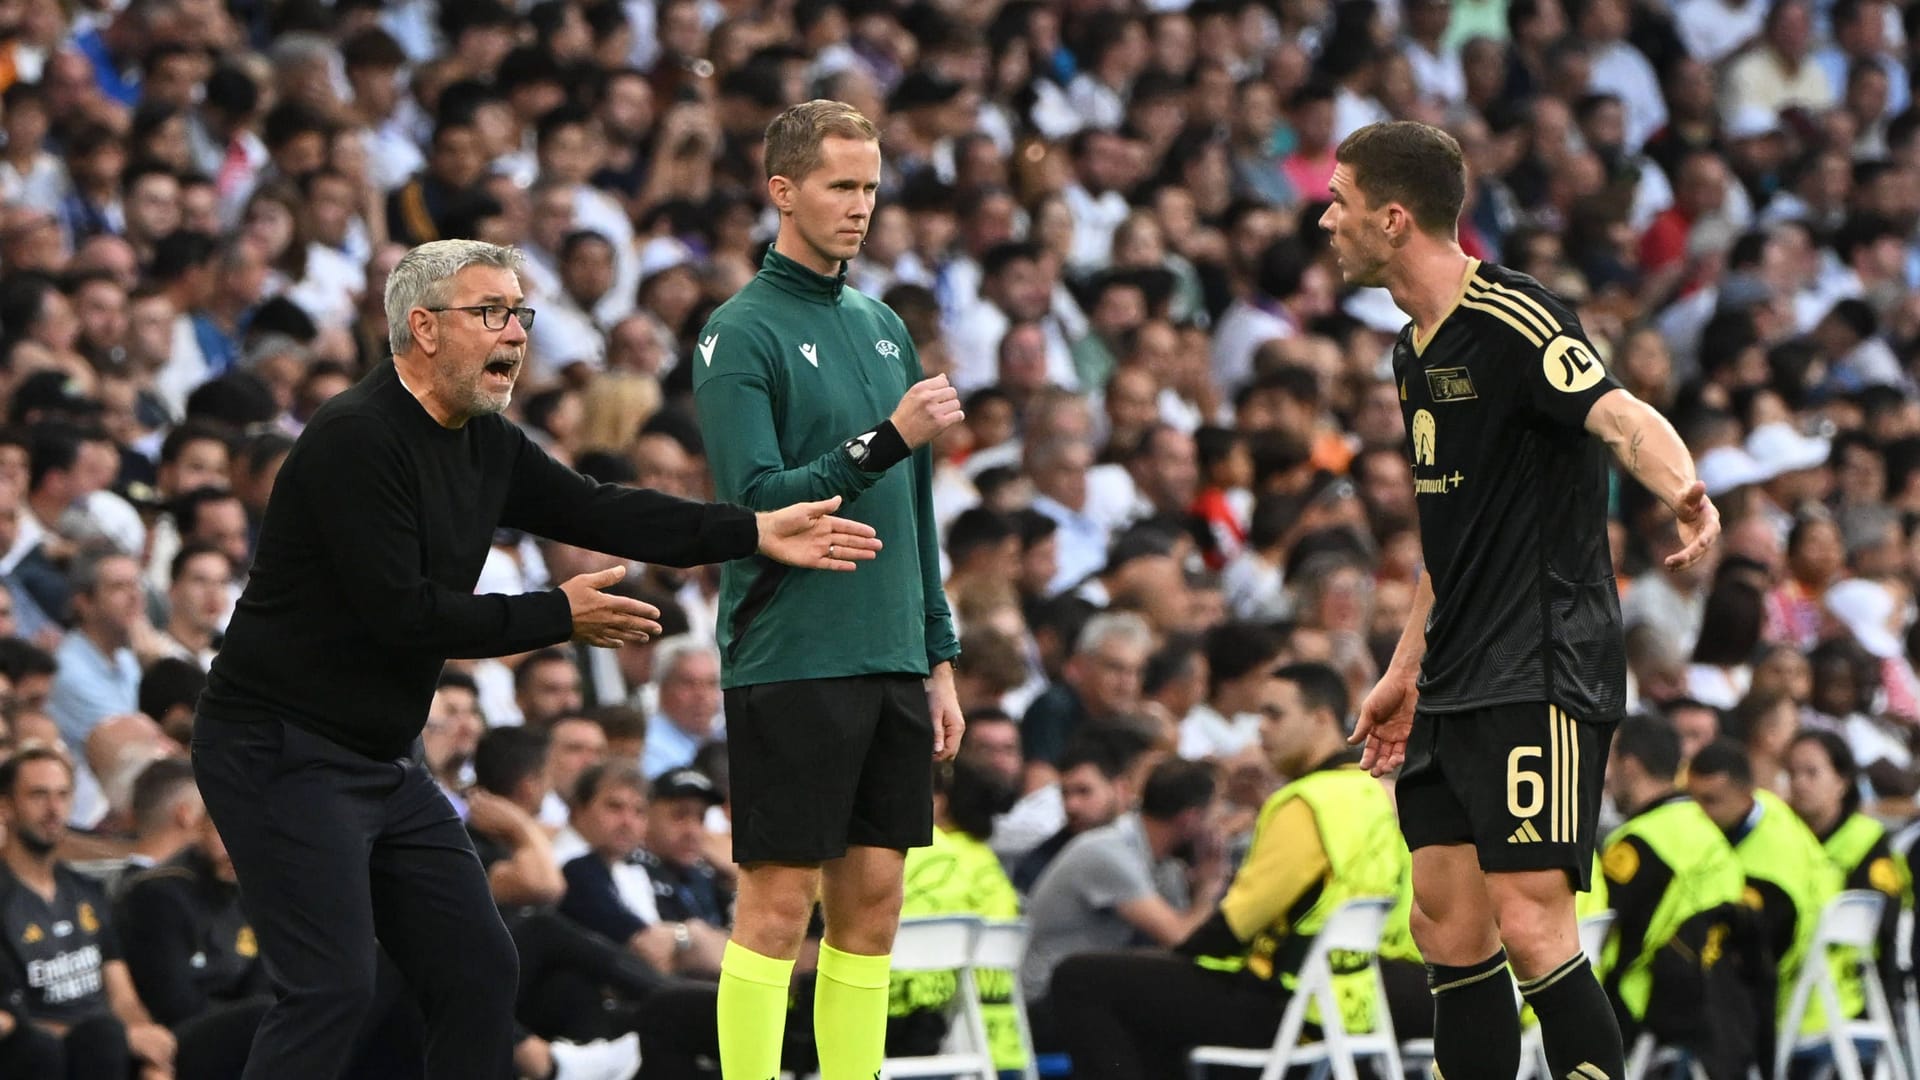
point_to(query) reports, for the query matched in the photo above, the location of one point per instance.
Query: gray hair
(669, 654)
(424, 278)
(270, 346)
(83, 573)
(1123, 626)
(291, 50)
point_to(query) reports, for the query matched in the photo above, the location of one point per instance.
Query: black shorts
(1520, 782)
(823, 764)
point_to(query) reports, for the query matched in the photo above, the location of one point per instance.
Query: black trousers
(574, 984)
(92, 1049)
(1134, 1016)
(680, 1040)
(333, 850)
(1122, 1016)
(214, 1045)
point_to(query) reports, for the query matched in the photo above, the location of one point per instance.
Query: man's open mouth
(502, 367)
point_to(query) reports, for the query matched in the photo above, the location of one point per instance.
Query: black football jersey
(187, 942)
(1512, 492)
(55, 954)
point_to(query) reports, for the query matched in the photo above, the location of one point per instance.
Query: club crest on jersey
(89, 922)
(1426, 437)
(886, 348)
(1451, 384)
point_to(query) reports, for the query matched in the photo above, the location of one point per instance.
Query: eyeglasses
(494, 316)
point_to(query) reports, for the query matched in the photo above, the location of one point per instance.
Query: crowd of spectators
(1182, 463)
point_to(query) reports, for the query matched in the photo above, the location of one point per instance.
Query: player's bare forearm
(1644, 444)
(1648, 447)
(1413, 640)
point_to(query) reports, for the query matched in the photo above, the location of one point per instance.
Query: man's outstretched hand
(1699, 523)
(604, 620)
(807, 535)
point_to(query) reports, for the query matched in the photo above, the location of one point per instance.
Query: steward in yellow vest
(1670, 963)
(957, 874)
(1823, 787)
(1790, 879)
(1328, 837)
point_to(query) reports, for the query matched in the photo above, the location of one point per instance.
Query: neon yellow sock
(850, 1014)
(752, 1013)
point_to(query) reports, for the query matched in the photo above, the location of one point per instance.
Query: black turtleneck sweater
(380, 520)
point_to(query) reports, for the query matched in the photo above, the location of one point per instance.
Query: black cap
(920, 90)
(686, 784)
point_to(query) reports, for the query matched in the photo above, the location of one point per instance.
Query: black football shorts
(1521, 783)
(819, 765)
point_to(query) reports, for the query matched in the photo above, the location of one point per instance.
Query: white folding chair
(1003, 946)
(1354, 927)
(1647, 1056)
(1903, 844)
(1416, 1058)
(1910, 990)
(945, 943)
(1593, 937)
(1851, 921)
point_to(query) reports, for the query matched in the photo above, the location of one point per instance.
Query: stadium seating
(1354, 928)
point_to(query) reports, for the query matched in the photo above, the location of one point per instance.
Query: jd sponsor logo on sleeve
(1570, 366)
(807, 351)
(706, 348)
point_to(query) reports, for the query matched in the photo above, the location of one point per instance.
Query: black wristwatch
(876, 450)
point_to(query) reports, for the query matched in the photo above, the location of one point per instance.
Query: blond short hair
(794, 137)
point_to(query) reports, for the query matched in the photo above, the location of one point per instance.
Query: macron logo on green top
(706, 348)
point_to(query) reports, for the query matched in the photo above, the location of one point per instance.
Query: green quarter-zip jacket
(785, 374)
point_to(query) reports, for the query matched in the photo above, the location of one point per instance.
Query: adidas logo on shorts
(1525, 834)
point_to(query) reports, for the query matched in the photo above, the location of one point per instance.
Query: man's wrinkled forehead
(487, 285)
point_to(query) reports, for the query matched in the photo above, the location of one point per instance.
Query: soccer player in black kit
(361, 588)
(1502, 695)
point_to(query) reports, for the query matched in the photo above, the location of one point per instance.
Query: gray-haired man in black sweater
(361, 589)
